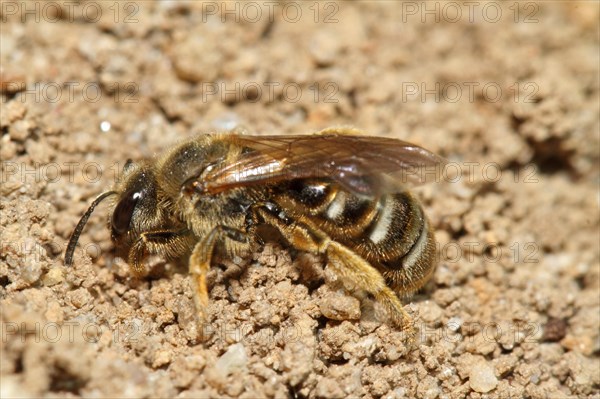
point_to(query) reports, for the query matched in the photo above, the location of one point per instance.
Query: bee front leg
(170, 243)
(200, 261)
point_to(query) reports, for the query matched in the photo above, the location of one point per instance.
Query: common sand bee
(329, 193)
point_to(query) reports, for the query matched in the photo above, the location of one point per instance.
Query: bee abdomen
(389, 230)
(397, 226)
(399, 242)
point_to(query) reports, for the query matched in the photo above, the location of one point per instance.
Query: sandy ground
(508, 92)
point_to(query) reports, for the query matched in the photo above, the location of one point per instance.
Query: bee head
(135, 208)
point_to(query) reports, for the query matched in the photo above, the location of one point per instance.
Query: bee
(331, 193)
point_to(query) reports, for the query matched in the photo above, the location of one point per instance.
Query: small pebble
(431, 312)
(554, 330)
(324, 47)
(340, 307)
(53, 277)
(234, 358)
(482, 378)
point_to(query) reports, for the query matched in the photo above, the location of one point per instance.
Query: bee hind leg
(344, 262)
(200, 262)
(354, 269)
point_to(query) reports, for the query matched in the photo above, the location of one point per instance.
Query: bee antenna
(77, 232)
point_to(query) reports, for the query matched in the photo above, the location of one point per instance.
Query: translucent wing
(354, 161)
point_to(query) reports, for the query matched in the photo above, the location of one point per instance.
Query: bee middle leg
(344, 262)
(200, 262)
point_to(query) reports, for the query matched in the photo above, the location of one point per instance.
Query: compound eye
(121, 217)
